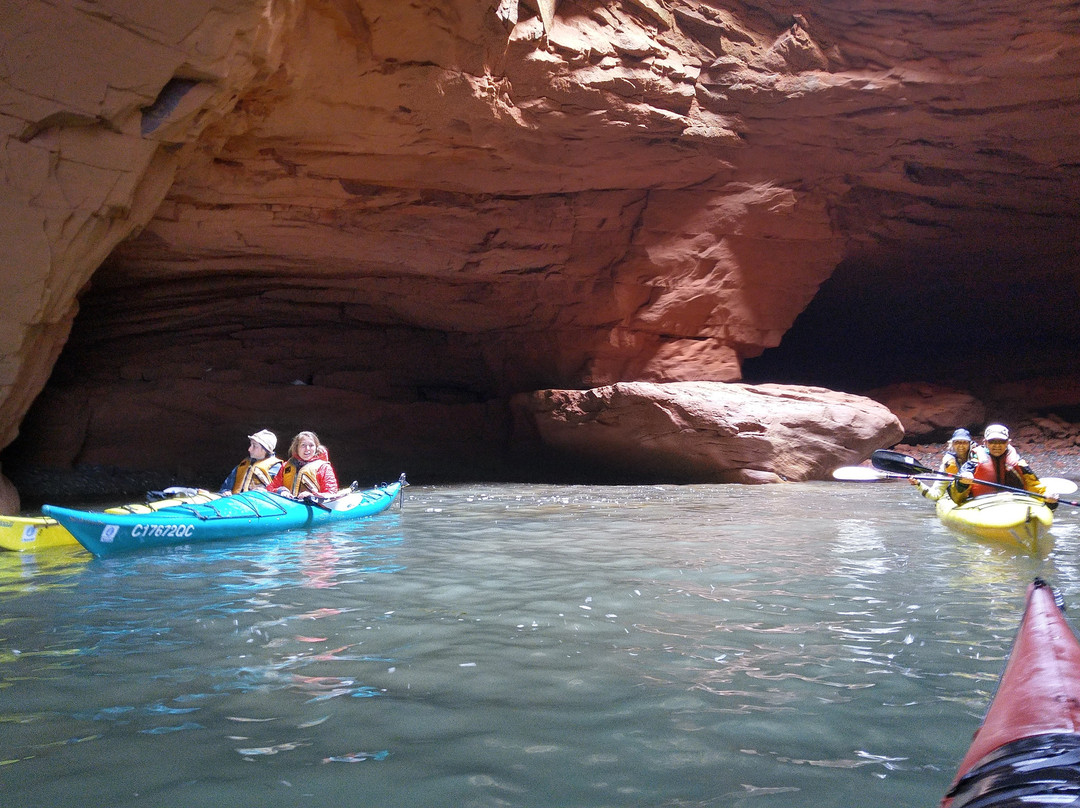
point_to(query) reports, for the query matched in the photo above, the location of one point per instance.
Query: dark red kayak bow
(1026, 752)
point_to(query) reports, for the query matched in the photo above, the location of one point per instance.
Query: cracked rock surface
(384, 220)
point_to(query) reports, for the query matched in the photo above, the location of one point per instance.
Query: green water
(818, 645)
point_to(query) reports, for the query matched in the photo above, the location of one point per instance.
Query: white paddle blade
(859, 474)
(1058, 485)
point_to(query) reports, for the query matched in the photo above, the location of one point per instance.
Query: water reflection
(521, 646)
(21, 573)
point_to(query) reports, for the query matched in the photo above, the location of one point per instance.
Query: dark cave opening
(968, 323)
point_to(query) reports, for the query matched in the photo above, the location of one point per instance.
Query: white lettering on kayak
(163, 531)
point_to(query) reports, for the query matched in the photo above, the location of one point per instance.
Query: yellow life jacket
(249, 475)
(303, 478)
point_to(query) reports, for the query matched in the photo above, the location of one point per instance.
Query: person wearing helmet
(255, 472)
(958, 452)
(997, 461)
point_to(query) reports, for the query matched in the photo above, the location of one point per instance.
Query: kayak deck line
(217, 514)
(275, 501)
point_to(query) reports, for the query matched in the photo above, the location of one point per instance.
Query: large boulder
(707, 431)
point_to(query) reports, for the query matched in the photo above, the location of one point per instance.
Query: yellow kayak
(1013, 520)
(29, 533)
(32, 533)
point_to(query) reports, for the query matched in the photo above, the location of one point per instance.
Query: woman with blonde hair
(307, 472)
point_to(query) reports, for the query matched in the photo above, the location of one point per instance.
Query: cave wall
(382, 219)
(93, 128)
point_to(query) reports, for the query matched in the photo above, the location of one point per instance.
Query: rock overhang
(616, 191)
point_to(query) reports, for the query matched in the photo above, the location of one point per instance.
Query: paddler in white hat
(255, 472)
(997, 461)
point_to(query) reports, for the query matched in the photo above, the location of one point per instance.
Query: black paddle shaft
(898, 463)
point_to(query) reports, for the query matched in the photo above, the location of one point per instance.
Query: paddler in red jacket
(307, 472)
(996, 461)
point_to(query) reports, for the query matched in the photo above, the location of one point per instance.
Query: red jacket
(1010, 469)
(316, 476)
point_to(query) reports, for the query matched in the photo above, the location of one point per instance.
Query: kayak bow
(1013, 520)
(1027, 749)
(33, 533)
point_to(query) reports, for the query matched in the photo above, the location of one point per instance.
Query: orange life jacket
(303, 478)
(249, 475)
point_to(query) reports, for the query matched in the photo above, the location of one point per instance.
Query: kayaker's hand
(1051, 499)
(965, 479)
(913, 481)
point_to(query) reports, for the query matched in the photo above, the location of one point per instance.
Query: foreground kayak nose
(1026, 752)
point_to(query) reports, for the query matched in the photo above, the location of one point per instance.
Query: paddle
(897, 463)
(860, 474)
(1058, 485)
(863, 474)
(321, 500)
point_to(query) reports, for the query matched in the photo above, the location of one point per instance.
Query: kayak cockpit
(1040, 770)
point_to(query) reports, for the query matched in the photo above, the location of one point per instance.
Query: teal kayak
(252, 513)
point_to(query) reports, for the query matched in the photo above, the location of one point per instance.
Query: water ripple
(522, 646)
